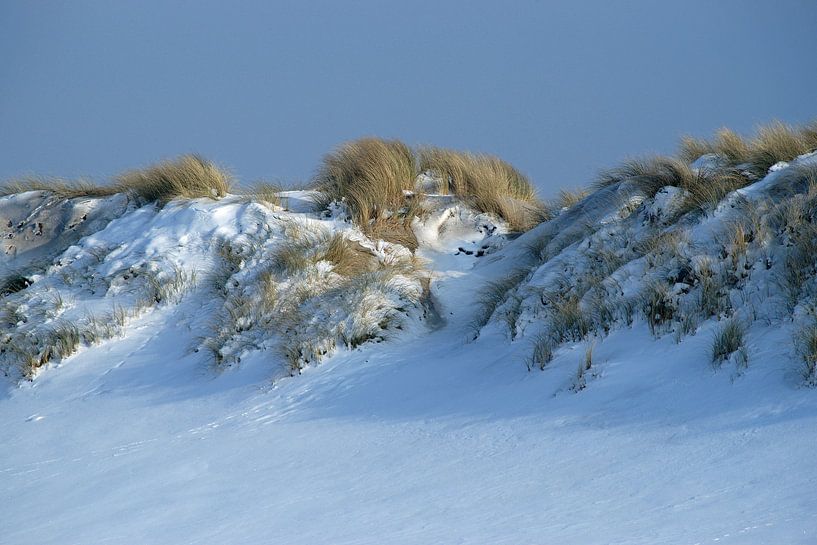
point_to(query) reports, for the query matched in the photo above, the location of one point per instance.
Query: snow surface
(430, 437)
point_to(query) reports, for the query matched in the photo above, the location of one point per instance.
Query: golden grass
(771, 144)
(690, 149)
(776, 142)
(265, 193)
(566, 199)
(64, 189)
(302, 249)
(650, 173)
(709, 187)
(371, 176)
(487, 183)
(188, 177)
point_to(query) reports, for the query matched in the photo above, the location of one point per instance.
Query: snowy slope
(438, 433)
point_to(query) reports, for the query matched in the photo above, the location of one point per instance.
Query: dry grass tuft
(772, 143)
(487, 183)
(705, 187)
(189, 177)
(371, 176)
(565, 199)
(567, 320)
(264, 192)
(651, 174)
(712, 299)
(776, 142)
(732, 146)
(691, 149)
(542, 352)
(495, 295)
(580, 381)
(709, 187)
(728, 340)
(348, 258)
(658, 305)
(805, 344)
(64, 189)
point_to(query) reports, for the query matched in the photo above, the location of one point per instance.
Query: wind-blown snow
(429, 437)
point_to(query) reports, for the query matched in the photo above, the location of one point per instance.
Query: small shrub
(728, 340)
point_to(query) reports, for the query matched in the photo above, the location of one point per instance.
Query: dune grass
(264, 192)
(188, 177)
(377, 180)
(805, 344)
(487, 183)
(771, 144)
(728, 340)
(371, 175)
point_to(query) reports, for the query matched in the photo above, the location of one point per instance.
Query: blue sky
(560, 89)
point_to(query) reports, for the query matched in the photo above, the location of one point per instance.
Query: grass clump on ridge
(487, 183)
(771, 144)
(376, 179)
(371, 176)
(188, 177)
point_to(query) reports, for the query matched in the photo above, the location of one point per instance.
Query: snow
(431, 436)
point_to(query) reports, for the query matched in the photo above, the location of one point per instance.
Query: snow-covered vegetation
(580, 345)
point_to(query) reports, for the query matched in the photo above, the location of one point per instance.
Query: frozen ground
(428, 437)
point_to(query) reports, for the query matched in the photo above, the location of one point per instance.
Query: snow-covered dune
(237, 372)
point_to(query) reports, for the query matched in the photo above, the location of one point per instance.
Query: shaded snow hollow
(433, 430)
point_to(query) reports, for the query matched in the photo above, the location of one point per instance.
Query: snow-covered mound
(294, 285)
(632, 371)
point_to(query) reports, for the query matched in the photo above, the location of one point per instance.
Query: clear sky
(265, 88)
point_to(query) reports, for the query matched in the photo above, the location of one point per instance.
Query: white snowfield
(433, 431)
